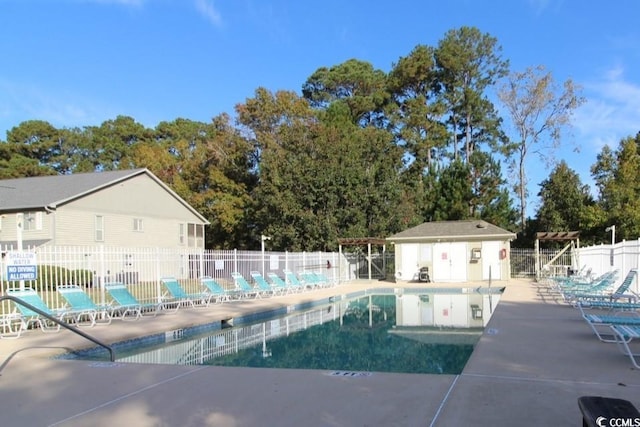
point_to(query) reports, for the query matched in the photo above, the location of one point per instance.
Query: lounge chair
(243, 287)
(624, 335)
(620, 293)
(599, 287)
(310, 279)
(567, 284)
(280, 284)
(322, 278)
(28, 317)
(127, 305)
(178, 296)
(82, 306)
(293, 281)
(600, 323)
(216, 290)
(262, 284)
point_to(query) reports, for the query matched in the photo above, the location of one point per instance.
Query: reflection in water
(401, 331)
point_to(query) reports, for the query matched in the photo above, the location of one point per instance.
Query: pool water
(431, 331)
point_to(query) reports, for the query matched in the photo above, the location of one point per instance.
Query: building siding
(141, 197)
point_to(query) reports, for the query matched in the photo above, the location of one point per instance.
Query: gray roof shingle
(49, 192)
(452, 230)
(36, 193)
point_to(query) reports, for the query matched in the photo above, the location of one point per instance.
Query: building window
(138, 224)
(181, 234)
(32, 221)
(195, 235)
(99, 228)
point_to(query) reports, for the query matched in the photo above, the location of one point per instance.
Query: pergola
(573, 237)
(361, 241)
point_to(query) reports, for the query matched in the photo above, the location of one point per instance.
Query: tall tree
(617, 176)
(539, 112)
(416, 116)
(564, 201)
(453, 193)
(321, 176)
(356, 84)
(469, 62)
(36, 139)
(283, 127)
(208, 164)
(490, 197)
(112, 142)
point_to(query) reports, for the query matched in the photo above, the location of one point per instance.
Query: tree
(539, 112)
(282, 128)
(454, 193)
(416, 116)
(207, 164)
(321, 176)
(112, 143)
(490, 198)
(355, 83)
(468, 63)
(564, 202)
(617, 175)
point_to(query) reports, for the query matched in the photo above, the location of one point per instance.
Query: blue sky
(81, 62)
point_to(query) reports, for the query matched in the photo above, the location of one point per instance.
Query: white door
(451, 310)
(491, 260)
(409, 255)
(449, 262)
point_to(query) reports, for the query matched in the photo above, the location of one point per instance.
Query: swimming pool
(418, 330)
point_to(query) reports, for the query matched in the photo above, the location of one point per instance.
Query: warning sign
(21, 265)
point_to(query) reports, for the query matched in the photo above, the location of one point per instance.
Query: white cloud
(207, 9)
(612, 110)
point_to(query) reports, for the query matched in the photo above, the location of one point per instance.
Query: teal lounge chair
(216, 290)
(600, 322)
(624, 335)
(293, 281)
(126, 305)
(243, 287)
(28, 317)
(563, 284)
(262, 284)
(622, 292)
(310, 279)
(280, 284)
(82, 306)
(178, 296)
(600, 287)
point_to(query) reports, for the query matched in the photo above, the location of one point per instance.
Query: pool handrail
(112, 356)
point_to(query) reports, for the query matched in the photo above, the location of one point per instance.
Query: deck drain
(350, 374)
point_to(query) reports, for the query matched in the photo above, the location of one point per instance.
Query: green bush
(51, 276)
(82, 278)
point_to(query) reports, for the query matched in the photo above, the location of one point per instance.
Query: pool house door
(450, 262)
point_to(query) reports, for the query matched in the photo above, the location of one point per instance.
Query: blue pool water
(421, 330)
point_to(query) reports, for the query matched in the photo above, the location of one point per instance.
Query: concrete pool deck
(535, 358)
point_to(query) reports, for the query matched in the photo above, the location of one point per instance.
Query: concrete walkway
(536, 357)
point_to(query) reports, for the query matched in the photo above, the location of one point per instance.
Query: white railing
(142, 268)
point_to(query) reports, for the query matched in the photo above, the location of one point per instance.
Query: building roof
(453, 230)
(40, 193)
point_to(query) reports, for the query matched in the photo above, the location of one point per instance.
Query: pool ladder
(112, 355)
